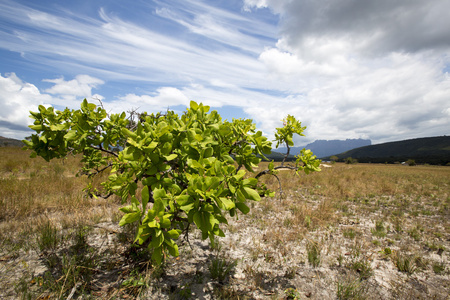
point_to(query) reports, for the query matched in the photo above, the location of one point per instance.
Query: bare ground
(272, 256)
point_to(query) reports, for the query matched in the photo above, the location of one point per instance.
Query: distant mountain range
(7, 142)
(324, 148)
(431, 150)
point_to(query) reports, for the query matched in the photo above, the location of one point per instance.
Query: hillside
(323, 148)
(432, 150)
(7, 142)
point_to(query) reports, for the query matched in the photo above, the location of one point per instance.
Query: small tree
(334, 158)
(350, 160)
(411, 162)
(192, 168)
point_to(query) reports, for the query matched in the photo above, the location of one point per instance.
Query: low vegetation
(352, 231)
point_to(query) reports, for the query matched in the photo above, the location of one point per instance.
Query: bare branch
(287, 153)
(105, 150)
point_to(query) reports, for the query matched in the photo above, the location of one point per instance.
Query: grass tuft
(313, 250)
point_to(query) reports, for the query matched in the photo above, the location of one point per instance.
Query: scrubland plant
(192, 168)
(48, 238)
(350, 288)
(313, 250)
(379, 230)
(404, 263)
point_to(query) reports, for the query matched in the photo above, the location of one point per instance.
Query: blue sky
(345, 68)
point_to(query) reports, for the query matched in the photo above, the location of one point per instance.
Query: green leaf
(130, 218)
(57, 127)
(224, 129)
(127, 132)
(242, 207)
(198, 220)
(183, 199)
(145, 197)
(173, 250)
(193, 105)
(208, 152)
(240, 195)
(159, 194)
(36, 127)
(165, 222)
(71, 135)
(143, 234)
(219, 232)
(186, 208)
(173, 234)
(251, 194)
(157, 255)
(127, 209)
(157, 240)
(152, 170)
(170, 157)
(227, 203)
(135, 203)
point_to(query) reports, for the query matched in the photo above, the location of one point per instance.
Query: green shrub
(194, 168)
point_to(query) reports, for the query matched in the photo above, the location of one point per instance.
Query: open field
(362, 231)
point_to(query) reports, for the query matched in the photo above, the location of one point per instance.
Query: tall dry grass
(393, 191)
(342, 181)
(33, 189)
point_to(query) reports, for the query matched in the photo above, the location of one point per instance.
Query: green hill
(431, 150)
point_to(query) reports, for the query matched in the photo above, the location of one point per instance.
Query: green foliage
(292, 293)
(379, 230)
(438, 267)
(411, 162)
(136, 282)
(284, 134)
(362, 267)
(220, 268)
(193, 168)
(350, 289)
(48, 238)
(313, 250)
(350, 160)
(404, 263)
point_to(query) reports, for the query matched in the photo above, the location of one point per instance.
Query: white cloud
(160, 101)
(248, 4)
(81, 86)
(18, 98)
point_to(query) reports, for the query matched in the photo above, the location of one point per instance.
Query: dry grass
(362, 231)
(32, 190)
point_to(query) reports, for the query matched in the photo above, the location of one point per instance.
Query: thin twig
(105, 150)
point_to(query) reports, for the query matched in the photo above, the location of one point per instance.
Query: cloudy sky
(346, 68)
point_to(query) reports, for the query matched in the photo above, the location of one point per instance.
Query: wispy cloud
(130, 50)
